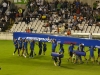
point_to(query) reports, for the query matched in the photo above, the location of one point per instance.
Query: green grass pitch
(41, 65)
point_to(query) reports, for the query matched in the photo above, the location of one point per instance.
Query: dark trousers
(31, 53)
(16, 50)
(80, 58)
(4, 10)
(26, 51)
(57, 60)
(53, 50)
(40, 51)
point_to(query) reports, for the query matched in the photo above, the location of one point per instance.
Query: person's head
(21, 39)
(32, 40)
(72, 44)
(52, 41)
(14, 38)
(25, 40)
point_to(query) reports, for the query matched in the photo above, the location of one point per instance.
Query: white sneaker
(55, 64)
(13, 54)
(25, 56)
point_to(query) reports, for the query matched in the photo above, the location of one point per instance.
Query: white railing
(9, 36)
(6, 36)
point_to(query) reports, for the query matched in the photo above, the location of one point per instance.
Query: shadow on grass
(66, 67)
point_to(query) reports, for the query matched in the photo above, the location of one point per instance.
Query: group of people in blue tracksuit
(22, 45)
(81, 48)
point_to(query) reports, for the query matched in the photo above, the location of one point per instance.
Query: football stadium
(49, 37)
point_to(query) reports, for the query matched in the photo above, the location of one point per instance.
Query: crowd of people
(21, 46)
(58, 12)
(7, 14)
(55, 13)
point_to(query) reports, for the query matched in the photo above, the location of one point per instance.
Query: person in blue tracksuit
(58, 59)
(40, 47)
(54, 44)
(70, 51)
(92, 49)
(61, 45)
(24, 48)
(32, 45)
(44, 48)
(25, 43)
(98, 47)
(81, 49)
(98, 53)
(20, 43)
(16, 46)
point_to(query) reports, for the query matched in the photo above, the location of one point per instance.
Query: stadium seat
(96, 29)
(92, 29)
(88, 29)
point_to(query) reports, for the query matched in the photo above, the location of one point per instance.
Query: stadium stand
(54, 17)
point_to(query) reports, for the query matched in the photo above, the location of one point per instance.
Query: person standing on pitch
(82, 50)
(32, 44)
(44, 48)
(79, 56)
(70, 51)
(92, 49)
(16, 46)
(54, 44)
(98, 47)
(25, 46)
(40, 47)
(57, 60)
(61, 45)
(20, 43)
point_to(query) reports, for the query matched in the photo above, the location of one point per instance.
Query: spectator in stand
(90, 22)
(78, 11)
(62, 29)
(12, 17)
(95, 4)
(4, 5)
(98, 7)
(4, 19)
(75, 22)
(31, 30)
(16, 19)
(66, 27)
(27, 20)
(27, 30)
(98, 17)
(68, 32)
(75, 17)
(20, 11)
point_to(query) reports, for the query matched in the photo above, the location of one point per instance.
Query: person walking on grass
(32, 45)
(92, 57)
(44, 48)
(20, 43)
(98, 47)
(40, 47)
(70, 51)
(24, 47)
(16, 46)
(57, 60)
(54, 44)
